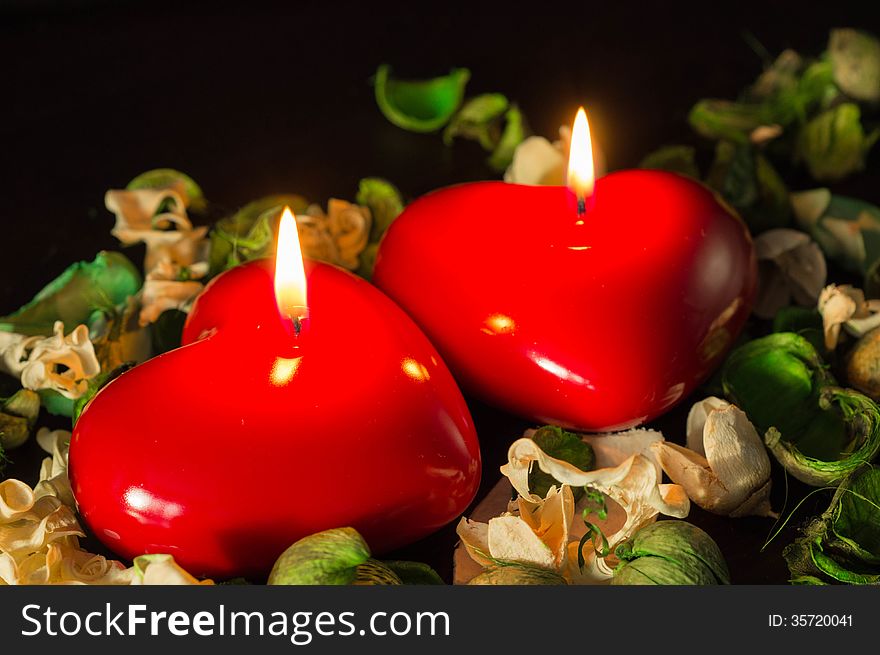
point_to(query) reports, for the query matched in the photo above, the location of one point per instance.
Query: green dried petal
(23, 403)
(513, 134)
(373, 573)
(331, 557)
(748, 181)
(670, 553)
(517, 575)
(478, 119)
(726, 120)
(855, 58)
(842, 545)
(414, 573)
(18, 415)
(14, 431)
(834, 144)
(384, 202)
(563, 445)
(55, 403)
(816, 430)
(802, 321)
(250, 232)
(420, 105)
(675, 159)
(73, 297)
(162, 178)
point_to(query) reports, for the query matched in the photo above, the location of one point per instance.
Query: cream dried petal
(137, 213)
(162, 570)
(696, 421)
(511, 539)
(31, 536)
(844, 305)
(549, 520)
(733, 479)
(792, 267)
(536, 161)
(16, 500)
(633, 484)
(158, 296)
(53, 472)
(185, 249)
(349, 227)
(60, 363)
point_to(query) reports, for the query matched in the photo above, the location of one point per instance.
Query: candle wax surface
(600, 321)
(227, 450)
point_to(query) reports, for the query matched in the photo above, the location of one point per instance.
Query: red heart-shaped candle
(596, 320)
(227, 450)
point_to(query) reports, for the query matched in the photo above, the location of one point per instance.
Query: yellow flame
(290, 274)
(581, 171)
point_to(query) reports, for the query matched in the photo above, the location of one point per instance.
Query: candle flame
(290, 274)
(581, 171)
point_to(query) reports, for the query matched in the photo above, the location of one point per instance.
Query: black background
(261, 97)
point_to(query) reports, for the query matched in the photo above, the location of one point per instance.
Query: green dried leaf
(834, 144)
(670, 553)
(747, 180)
(375, 573)
(420, 105)
(331, 557)
(513, 134)
(842, 545)
(816, 430)
(479, 120)
(94, 386)
(855, 58)
(675, 159)
(163, 178)
(250, 232)
(518, 574)
(802, 321)
(726, 120)
(845, 228)
(384, 202)
(18, 415)
(84, 288)
(414, 573)
(563, 445)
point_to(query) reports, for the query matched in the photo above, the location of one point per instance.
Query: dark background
(262, 97)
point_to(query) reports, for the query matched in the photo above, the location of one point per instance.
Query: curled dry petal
(844, 305)
(53, 471)
(339, 236)
(730, 475)
(541, 532)
(39, 540)
(696, 421)
(60, 363)
(161, 295)
(792, 268)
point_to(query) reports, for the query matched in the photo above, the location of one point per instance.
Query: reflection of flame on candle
(290, 274)
(283, 370)
(415, 369)
(581, 173)
(498, 324)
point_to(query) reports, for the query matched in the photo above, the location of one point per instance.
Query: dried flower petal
(844, 305)
(730, 472)
(792, 268)
(59, 363)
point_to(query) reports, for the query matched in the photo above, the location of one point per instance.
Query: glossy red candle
(227, 450)
(597, 321)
